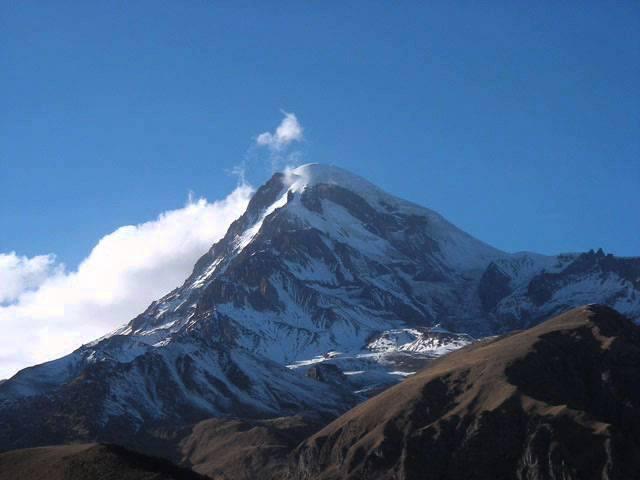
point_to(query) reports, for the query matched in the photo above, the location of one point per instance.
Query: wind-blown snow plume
(287, 132)
(48, 311)
(280, 143)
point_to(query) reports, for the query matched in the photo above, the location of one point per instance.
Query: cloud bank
(19, 274)
(46, 311)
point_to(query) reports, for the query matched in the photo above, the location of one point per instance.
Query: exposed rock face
(558, 401)
(321, 261)
(327, 373)
(494, 286)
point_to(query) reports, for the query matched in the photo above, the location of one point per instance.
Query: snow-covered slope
(387, 358)
(321, 261)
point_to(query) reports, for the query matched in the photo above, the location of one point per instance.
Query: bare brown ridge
(558, 401)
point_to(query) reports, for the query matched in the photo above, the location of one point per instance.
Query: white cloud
(19, 274)
(54, 311)
(287, 132)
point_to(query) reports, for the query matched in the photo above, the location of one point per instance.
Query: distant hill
(87, 462)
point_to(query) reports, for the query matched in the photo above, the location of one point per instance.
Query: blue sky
(517, 121)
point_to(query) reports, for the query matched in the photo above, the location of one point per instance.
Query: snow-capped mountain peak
(321, 261)
(312, 174)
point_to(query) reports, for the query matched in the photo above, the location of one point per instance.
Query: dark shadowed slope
(87, 462)
(558, 401)
(232, 449)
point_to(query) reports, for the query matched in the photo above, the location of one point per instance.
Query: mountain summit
(321, 258)
(323, 270)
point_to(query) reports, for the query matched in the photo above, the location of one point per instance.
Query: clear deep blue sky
(518, 121)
